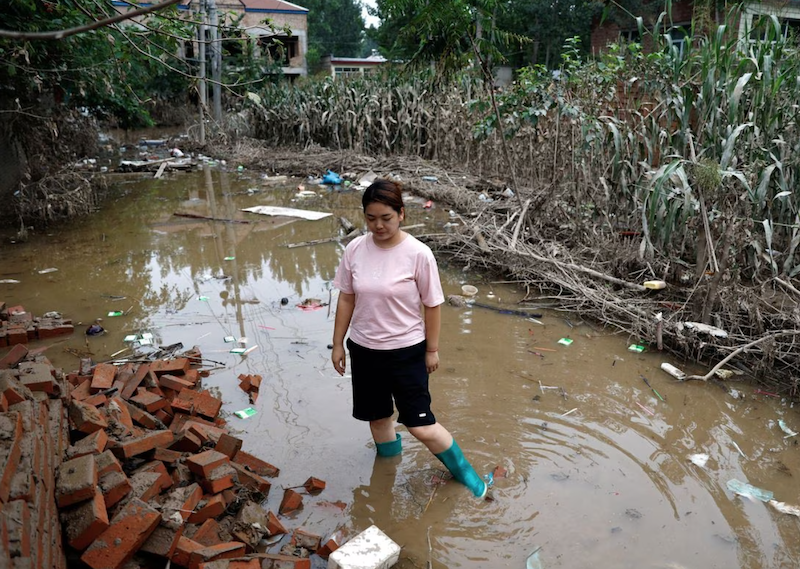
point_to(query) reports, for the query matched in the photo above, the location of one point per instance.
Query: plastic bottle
(673, 371)
(655, 285)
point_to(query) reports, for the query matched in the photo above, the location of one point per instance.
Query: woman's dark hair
(385, 192)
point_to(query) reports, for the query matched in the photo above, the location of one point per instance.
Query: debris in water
(785, 508)
(565, 341)
(633, 513)
(246, 413)
(647, 409)
(94, 330)
(9, 281)
(569, 412)
(706, 329)
(699, 459)
(49, 270)
(638, 348)
(647, 383)
(749, 491)
(740, 450)
(287, 211)
(533, 561)
(785, 428)
(673, 371)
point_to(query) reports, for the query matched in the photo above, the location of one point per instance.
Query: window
(679, 38)
(761, 25)
(630, 36)
(347, 70)
(281, 49)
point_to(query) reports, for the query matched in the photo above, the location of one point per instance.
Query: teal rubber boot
(462, 470)
(392, 448)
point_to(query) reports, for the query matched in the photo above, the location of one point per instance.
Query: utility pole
(216, 60)
(201, 42)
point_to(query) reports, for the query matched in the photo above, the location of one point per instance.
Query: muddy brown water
(597, 471)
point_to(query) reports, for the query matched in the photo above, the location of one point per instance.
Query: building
(290, 49)
(345, 66)
(683, 13)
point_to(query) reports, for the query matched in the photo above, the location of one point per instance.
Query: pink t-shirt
(390, 286)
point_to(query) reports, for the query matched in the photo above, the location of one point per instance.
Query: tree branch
(61, 34)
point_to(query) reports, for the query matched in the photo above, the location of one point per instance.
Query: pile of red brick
(146, 473)
(19, 327)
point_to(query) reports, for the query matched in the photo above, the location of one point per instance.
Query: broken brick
(167, 455)
(148, 401)
(13, 357)
(228, 445)
(83, 523)
(257, 465)
(85, 418)
(207, 533)
(114, 486)
(10, 450)
(274, 525)
(183, 500)
(77, 481)
(208, 507)
(251, 480)
(305, 540)
(184, 550)
(90, 444)
(314, 485)
(291, 502)
(127, 532)
(203, 463)
(142, 444)
(107, 462)
(225, 550)
(103, 376)
(222, 477)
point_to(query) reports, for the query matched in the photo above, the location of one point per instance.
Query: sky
(369, 20)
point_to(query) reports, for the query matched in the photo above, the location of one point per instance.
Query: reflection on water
(598, 474)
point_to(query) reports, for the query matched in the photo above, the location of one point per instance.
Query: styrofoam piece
(371, 549)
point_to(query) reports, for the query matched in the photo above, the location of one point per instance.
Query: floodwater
(597, 469)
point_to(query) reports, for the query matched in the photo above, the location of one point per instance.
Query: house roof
(375, 59)
(272, 6)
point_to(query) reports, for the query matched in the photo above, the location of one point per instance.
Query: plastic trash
(430, 178)
(50, 270)
(749, 491)
(115, 313)
(177, 153)
(484, 198)
(229, 339)
(706, 329)
(508, 192)
(673, 371)
(785, 508)
(95, 330)
(245, 413)
(469, 290)
(655, 285)
(428, 204)
(638, 348)
(533, 561)
(331, 178)
(229, 259)
(699, 459)
(565, 341)
(130, 338)
(785, 428)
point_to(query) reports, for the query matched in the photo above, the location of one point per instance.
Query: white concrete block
(371, 549)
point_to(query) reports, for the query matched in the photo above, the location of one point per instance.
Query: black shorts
(381, 375)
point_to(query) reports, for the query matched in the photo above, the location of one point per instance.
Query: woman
(383, 278)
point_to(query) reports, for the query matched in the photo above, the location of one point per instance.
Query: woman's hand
(339, 360)
(431, 361)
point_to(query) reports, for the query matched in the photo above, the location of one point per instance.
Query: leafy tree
(335, 27)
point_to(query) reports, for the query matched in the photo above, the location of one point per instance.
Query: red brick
(163, 416)
(232, 564)
(164, 539)
(81, 392)
(182, 406)
(18, 522)
(148, 401)
(107, 462)
(90, 444)
(96, 400)
(103, 376)
(225, 550)
(305, 540)
(177, 366)
(274, 525)
(16, 334)
(204, 403)
(219, 479)
(257, 465)
(142, 444)
(142, 417)
(158, 467)
(83, 523)
(133, 383)
(3, 403)
(207, 533)
(291, 501)
(128, 531)
(77, 481)
(37, 377)
(13, 356)
(276, 561)
(167, 455)
(203, 463)
(186, 442)
(228, 445)
(208, 507)
(85, 418)
(114, 486)
(184, 550)
(192, 376)
(175, 383)
(328, 547)
(251, 480)
(10, 450)
(250, 525)
(118, 411)
(183, 500)
(202, 428)
(314, 485)
(181, 476)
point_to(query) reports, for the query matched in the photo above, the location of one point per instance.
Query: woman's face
(384, 223)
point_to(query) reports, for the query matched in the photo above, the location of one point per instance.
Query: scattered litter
(499, 472)
(738, 449)
(287, 211)
(785, 428)
(116, 313)
(767, 393)
(250, 349)
(785, 508)
(647, 383)
(647, 409)
(543, 387)
(229, 259)
(655, 285)
(311, 304)
(427, 205)
(95, 330)
(569, 412)
(52, 314)
(242, 340)
(538, 348)
(331, 178)
(238, 350)
(45, 271)
(130, 338)
(508, 192)
(365, 180)
(633, 513)
(430, 178)
(748, 491)
(203, 298)
(229, 339)
(306, 194)
(9, 281)
(700, 459)
(245, 413)
(484, 198)
(706, 329)
(727, 373)
(673, 371)
(533, 561)
(638, 348)
(565, 341)
(469, 290)
(736, 394)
